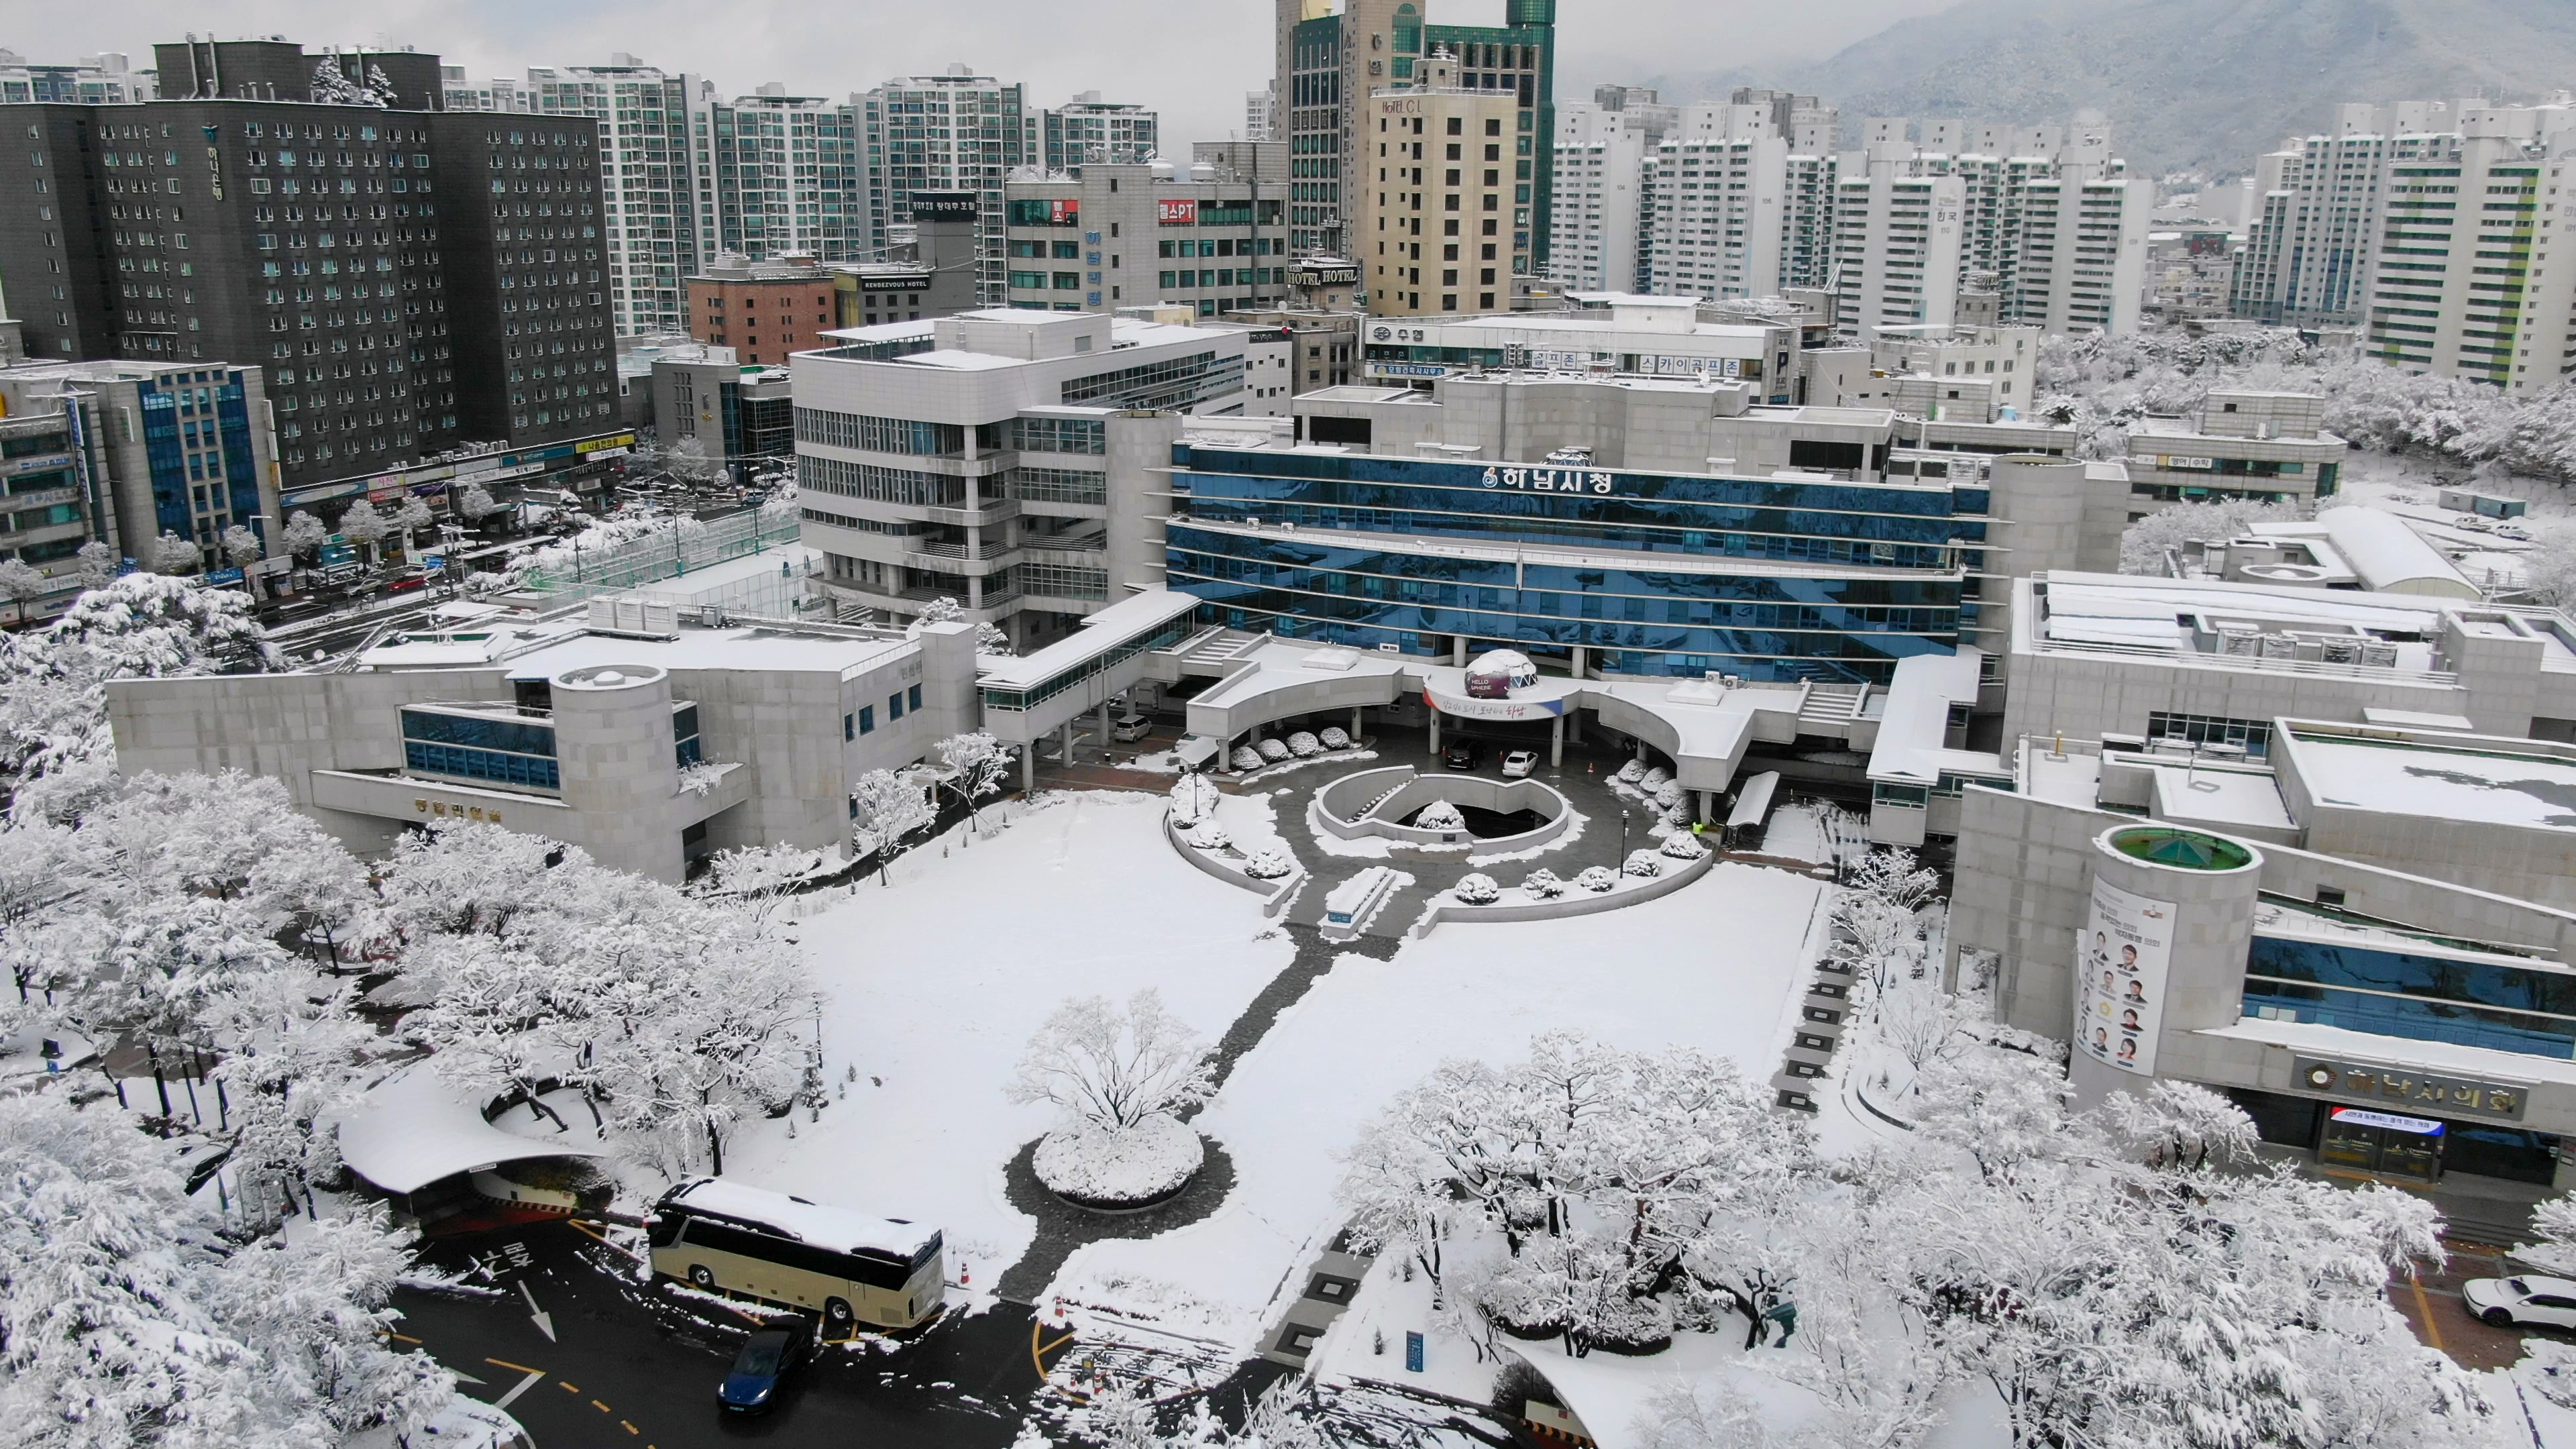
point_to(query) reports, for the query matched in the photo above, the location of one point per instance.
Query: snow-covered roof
(2199, 795)
(754, 647)
(2391, 557)
(1916, 720)
(1754, 801)
(1100, 633)
(2465, 778)
(1614, 1395)
(412, 1129)
(2484, 1063)
(838, 1228)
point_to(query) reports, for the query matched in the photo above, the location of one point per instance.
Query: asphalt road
(631, 1365)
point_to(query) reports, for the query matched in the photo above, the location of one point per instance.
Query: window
(912, 697)
(894, 706)
(867, 719)
(849, 727)
(1060, 435)
(2254, 734)
(2422, 997)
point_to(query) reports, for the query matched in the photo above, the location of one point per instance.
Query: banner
(1176, 213)
(2120, 963)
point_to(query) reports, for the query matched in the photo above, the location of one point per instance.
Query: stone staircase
(1829, 708)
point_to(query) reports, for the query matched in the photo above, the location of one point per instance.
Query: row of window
(864, 720)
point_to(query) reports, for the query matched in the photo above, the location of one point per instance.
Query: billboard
(2120, 962)
(945, 206)
(1172, 212)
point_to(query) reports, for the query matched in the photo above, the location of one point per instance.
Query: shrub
(1596, 878)
(1246, 758)
(1302, 745)
(1439, 815)
(1542, 884)
(1682, 845)
(1669, 794)
(1631, 772)
(1273, 751)
(1208, 835)
(1334, 737)
(1643, 865)
(1268, 865)
(1653, 781)
(1477, 890)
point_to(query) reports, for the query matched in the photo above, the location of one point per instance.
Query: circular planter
(1133, 1171)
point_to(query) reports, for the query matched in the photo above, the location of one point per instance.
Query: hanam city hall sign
(2418, 1091)
(1547, 480)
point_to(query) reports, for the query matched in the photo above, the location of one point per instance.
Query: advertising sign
(945, 206)
(1462, 707)
(1176, 212)
(2120, 978)
(1064, 211)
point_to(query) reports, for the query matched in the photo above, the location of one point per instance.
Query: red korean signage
(1176, 213)
(1064, 212)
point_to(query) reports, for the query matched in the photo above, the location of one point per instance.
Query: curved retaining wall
(1572, 903)
(1503, 797)
(1275, 893)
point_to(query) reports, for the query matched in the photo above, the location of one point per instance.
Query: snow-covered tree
(993, 639)
(1125, 1415)
(977, 766)
(365, 527)
(474, 503)
(757, 878)
(332, 86)
(2144, 546)
(379, 90)
(1875, 916)
(411, 518)
(127, 1317)
(242, 546)
(886, 808)
(172, 554)
(1114, 1068)
(98, 564)
(941, 610)
(691, 460)
(21, 582)
(305, 535)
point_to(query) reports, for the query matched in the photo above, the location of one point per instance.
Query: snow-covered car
(2528, 1299)
(2514, 531)
(2473, 523)
(1517, 764)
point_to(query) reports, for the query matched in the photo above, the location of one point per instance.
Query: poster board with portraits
(2120, 963)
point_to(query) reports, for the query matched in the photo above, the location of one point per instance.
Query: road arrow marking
(521, 1387)
(536, 1315)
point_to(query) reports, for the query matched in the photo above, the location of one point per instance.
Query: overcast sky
(1191, 61)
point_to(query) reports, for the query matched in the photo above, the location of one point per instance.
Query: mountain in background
(2202, 85)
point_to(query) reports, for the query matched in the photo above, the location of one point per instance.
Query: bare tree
(1113, 1068)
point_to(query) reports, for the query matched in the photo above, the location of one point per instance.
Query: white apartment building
(1721, 214)
(1600, 181)
(649, 218)
(1897, 250)
(2083, 254)
(106, 79)
(2307, 258)
(1088, 131)
(955, 131)
(2465, 283)
(498, 93)
(786, 177)
(1261, 114)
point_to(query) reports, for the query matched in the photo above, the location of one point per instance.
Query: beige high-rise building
(1434, 198)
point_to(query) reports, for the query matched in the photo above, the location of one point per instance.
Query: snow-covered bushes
(1117, 1077)
(1596, 879)
(1542, 884)
(1304, 745)
(1269, 865)
(1477, 890)
(1208, 835)
(1334, 737)
(1273, 751)
(1439, 815)
(1669, 794)
(1652, 783)
(1643, 864)
(1245, 757)
(1631, 772)
(1194, 799)
(1682, 845)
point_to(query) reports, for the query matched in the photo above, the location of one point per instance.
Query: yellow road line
(2424, 1305)
(401, 1337)
(603, 1408)
(516, 1368)
(629, 1428)
(567, 1387)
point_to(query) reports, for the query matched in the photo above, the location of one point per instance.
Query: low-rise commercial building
(1134, 235)
(2262, 447)
(763, 310)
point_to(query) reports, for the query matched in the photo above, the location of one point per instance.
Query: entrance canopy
(413, 1129)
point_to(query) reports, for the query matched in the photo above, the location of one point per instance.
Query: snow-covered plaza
(937, 982)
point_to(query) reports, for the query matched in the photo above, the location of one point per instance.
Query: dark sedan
(761, 1370)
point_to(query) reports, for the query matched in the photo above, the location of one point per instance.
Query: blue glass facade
(2419, 997)
(196, 435)
(480, 747)
(1848, 577)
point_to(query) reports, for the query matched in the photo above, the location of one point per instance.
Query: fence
(652, 558)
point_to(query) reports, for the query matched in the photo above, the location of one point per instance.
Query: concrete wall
(1139, 459)
(1475, 791)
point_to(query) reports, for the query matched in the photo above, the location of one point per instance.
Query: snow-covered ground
(1715, 966)
(938, 983)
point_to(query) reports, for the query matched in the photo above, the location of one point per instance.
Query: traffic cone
(964, 1274)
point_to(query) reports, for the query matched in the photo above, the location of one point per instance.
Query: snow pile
(1269, 865)
(699, 778)
(1682, 845)
(1304, 745)
(1104, 1167)
(1542, 884)
(1477, 890)
(1439, 815)
(1334, 737)
(1597, 878)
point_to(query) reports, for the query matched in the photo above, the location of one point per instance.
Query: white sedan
(1517, 764)
(2550, 1302)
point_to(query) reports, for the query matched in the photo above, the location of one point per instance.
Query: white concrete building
(2307, 259)
(2465, 283)
(1088, 131)
(1897, 250)
(1600, 180)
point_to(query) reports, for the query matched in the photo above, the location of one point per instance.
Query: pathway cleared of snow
(938, 982)
(1717, 965)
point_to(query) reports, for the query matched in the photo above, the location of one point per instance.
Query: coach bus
(726, 1237)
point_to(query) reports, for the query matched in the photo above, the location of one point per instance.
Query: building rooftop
(2521, 783)
(534, 647)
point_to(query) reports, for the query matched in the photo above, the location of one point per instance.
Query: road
(632, 1365)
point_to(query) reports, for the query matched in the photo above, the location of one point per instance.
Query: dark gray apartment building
(410, 281)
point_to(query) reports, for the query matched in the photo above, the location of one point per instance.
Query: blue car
(760, 1371)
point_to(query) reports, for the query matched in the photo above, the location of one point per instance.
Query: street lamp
(1623, 835)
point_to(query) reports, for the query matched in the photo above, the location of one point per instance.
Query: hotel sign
(2419, 1091)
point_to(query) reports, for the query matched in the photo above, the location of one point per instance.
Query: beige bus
(852, 1269)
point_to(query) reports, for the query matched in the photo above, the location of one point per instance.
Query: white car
(1517, 764)
(2550, 1302)
(2513, 531)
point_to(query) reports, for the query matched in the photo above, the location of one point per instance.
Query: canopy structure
(413, 1129)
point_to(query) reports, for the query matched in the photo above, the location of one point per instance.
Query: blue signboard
(1412, 1353)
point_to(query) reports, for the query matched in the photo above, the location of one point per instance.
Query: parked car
(1464, 755)
(1517, 764)
(768, 1358)
(2513, 531)
(1128, 728)
(2507, 1301)
(404, 580)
